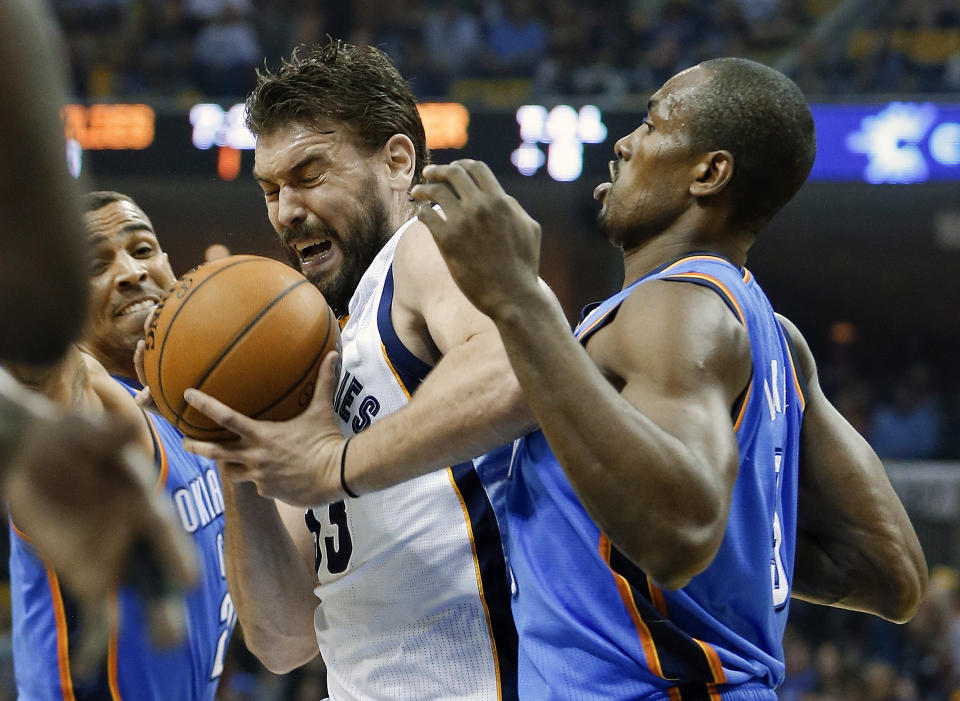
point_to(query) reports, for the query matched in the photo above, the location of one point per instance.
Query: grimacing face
(649, 181)
(325, 202)
(129, 274)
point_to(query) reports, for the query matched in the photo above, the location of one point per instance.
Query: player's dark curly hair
(356, 85)
(762, 118)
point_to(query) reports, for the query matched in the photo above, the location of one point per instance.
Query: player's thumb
(326, 383)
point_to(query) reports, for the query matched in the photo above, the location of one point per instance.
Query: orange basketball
(247, 330)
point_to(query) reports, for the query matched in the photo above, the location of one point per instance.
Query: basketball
(247, 330)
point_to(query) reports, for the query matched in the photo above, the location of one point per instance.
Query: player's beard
(359, 243)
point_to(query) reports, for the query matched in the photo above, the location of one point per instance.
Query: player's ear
(401, 159)
(712, 173)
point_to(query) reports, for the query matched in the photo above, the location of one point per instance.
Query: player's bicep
(685, 360)
(425, 293)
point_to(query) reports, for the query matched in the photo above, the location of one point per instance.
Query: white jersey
(414, 601)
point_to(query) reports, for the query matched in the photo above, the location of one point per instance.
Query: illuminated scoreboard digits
(119, 127)
(898, 142)
(212, 125)
(445, 124)
(115, 127)
(565, 131)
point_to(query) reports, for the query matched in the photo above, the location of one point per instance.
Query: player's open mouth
(313, 252)
(138, 305)
(601, 191)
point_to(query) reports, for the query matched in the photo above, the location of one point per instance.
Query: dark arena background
(866, 259)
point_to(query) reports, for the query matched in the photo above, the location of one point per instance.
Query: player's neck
(401, 211)
(657, 251)
(119, 364)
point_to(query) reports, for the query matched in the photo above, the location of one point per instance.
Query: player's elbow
(906, 590)
(686, 552)
(281, 662)
(281, 655)
(676, 570)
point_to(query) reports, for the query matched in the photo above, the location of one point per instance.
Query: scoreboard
(900, 142)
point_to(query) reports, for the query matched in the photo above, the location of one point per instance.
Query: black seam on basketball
(243, 332)
(163, 345)
(296, 385)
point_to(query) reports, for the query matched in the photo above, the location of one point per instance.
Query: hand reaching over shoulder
(490, 244)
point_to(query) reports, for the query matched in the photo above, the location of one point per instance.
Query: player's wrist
(517, 311)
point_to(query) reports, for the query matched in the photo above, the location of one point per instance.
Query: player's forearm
(469, 404)
(867, 559)
(270, 587)
(42, 281)
(835, 574)
(644, 488)
(856, 547)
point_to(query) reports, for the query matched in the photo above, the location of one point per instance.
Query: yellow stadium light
(116, 126)
(445, 124)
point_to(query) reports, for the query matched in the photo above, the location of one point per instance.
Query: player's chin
(603, 222)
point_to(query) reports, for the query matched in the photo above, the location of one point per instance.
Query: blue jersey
(45, 623)
(592, 625)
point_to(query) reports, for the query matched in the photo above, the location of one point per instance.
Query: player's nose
(291, 209)
(622, 147)
(129, 270)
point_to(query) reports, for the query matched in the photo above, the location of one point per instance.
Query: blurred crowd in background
(606, 49)
(609, 52)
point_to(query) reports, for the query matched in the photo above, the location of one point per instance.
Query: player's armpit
(856, 547)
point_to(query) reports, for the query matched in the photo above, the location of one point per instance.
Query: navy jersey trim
(797, 371)
(681, 657)
(583, 333)
(96, 686)
(409, 368)
(131, 384)
(493, 574)
(697, 692)
(481, 518)
(710, 285)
